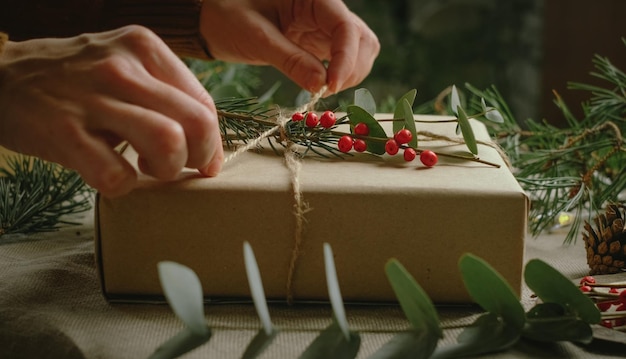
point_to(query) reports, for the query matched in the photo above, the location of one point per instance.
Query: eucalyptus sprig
(565, 313)
(36, 196)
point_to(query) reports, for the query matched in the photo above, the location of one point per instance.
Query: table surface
(50, 295)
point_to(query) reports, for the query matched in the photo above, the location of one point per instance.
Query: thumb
(299, 65)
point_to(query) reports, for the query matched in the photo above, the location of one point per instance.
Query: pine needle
(36, 196)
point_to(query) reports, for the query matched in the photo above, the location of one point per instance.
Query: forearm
(175, 21)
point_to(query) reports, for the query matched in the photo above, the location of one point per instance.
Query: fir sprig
(35, 196)
(576, 169)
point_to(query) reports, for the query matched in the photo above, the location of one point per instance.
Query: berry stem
(417, 150)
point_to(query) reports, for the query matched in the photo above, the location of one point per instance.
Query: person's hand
(294, 36)
(71, 101)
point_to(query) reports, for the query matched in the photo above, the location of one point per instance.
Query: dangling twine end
(293, 164)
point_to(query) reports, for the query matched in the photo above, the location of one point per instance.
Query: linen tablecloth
(51, 306)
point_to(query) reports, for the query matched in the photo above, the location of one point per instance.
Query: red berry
(311, 119)
(360, 145)
(345, 143)
(328, 119)
(604, 306)
(403, 136)
(391, 147)
(298, 116)
(585, 288)
(428, 158)
(588, 280)
(361, 129)
(409, 154)
(613, 290)
(622, 296)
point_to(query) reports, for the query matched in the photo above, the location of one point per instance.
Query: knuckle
(169, 138)
(169, 153)
(115, 68)
(140, 38)
(200, 132)
(110, 182)
(200, 125)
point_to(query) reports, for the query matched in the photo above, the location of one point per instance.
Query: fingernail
(332, 87)
(213, 169)
(215, 166)
(314, 82)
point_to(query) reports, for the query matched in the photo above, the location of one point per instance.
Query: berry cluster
(311, 120)
(612, 304)
(393, 145)
(347, 143)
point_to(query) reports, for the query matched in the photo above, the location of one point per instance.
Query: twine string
(492, 144)
(294, 165)
(292, 161)
(281, 120)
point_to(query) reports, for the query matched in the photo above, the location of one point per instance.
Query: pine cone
(606, 243)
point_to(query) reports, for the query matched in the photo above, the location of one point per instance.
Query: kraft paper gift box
(368, 209)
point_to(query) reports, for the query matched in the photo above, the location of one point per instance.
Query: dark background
(526, 48)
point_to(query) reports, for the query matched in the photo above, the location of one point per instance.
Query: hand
(71, 101)
(294, 36)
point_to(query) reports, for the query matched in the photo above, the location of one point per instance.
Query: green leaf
(183, 292)
(487, 334)
(405, 112)
(183, 342)
(256, 288)
(414, 301)
(409, 96)
(491, 113)
(455, 102)
(415, 345)
(364, 99)
(549, 322)
(558, 328)
(258, 344)
(331, 343)
(334, 292)
(553, 287)
(357, 114)
(545, 310)
(489, 289)
(400, 111)
(466, 130)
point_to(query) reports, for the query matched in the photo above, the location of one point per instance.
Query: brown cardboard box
(368, 209)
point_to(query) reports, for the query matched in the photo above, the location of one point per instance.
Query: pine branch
(35, 196)
(576, 169)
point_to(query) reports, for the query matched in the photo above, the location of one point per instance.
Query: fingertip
(332, 88)
(115, 182)
(215, 166)
(315, 81)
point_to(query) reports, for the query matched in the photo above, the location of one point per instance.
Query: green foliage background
(432, 44)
